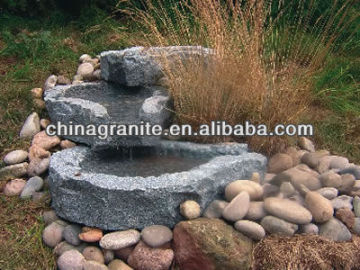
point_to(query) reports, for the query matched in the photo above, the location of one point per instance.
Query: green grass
(21, 245)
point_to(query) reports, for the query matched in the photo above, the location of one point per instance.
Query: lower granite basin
(145, 187)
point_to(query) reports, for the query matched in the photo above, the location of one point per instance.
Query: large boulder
(210, 244)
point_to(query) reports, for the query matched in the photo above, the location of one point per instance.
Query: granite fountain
(124, 182)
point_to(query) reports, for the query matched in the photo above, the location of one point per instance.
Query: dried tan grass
(257, 74)
(306, 252)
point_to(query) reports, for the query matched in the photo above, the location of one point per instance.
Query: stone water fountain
(135, 181)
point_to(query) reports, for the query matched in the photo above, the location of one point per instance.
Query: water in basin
(140, 162)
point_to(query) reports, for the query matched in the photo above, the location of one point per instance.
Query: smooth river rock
(215, 209)
(276, 225)
(250, 229)
(156, 235)
(320, 207)
(335, 230)
(254, 189)
(15, 157)
(238, 207)
(13, 171)
(121, 239)
(31, 126)
(287, 210)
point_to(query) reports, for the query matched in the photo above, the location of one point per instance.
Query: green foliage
(338, 86)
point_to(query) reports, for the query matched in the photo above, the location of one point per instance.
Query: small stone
(38, 166)
(342, 201)
(346, 216)
(62, 80)
(324, 164)
(354, 170)
(52, 234)
(335, 230)
(268, 177)
(320, 207)
(66, 144)
(62, 247)
(190, 209)
(330, 179)
(215, 209)
(287, 210)
(279, 163)
(37, 92)
(85, 70)
(297, 176)
(93, 61)
(32, 185)
(306, 144)
(118, 265)
(44, 141)
(254, 190)
(39, 104)
(15, 157)
(298, 199)
(255, 177)
(92, 265)
(294, 154)
(238, 207)
(13, 171)
(124, 253)
(356, 204)
(287, 189)
(31, 126)
(356, 186)
(84, 58)
(108, 255)
(39, 196)
(356, 227)
(93, 254)
(14, 187)
(276, 225)
(91, 235)
(270, 190)
(97, 75)
(250, 229)
(313, 159)
(71, 260)
(347, 183)
(121, 239)
(44, 123)
(49, 217)
(156, 235)
(147, 258)
(328, 192)
(36, 152)
(256, 211)
(309, 229)
(71, 234)
(50, 82)
(338, 162)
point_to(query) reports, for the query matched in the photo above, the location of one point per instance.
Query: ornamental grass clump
(265, 54)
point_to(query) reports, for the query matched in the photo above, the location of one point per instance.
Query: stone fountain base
(100, 195)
